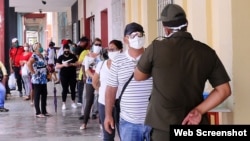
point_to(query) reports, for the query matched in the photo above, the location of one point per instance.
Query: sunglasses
(134, 34)
(98, 45)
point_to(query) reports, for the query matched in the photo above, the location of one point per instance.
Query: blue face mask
(40, 49)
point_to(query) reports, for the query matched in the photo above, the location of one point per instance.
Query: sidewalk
(20, 123)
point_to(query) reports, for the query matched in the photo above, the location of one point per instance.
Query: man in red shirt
(15, 53)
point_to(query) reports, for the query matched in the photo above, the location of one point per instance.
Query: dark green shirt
(180, 67)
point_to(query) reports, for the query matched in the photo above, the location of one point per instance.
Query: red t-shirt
(25, 57)
(15, 53)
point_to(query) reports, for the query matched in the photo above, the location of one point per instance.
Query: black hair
(96, 40)
(66, 46)
(70, 41)
(117, 43)
(84, 39)
(51, 44)
(104, 54)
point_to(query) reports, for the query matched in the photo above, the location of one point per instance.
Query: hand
(109, 124)
(193, 118)
(65, 64)
(73, 64)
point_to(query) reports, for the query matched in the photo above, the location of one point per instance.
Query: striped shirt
(135, 98)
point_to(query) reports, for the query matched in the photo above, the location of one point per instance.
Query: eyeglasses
(98, 45)
(134, 34)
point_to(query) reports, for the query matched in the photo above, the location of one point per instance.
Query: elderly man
(15, 52)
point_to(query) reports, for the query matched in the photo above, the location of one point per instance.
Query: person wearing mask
(51, 56)
(81, 71)
(67, 63)
(24, 58)
(134, 100)
(82, 45)
(90, 62)
(180, 67)
(3, 80)
(37, 67)
(15, 52)
(100, 83)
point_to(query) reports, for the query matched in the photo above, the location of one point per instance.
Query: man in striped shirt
(135, 98)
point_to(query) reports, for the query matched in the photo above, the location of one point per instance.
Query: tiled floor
(20, 124)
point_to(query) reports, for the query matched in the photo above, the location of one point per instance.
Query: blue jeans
(2, 95)
(134, 132)
(106, 135)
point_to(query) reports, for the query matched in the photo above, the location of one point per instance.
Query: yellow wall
(144, 13)
(241, 63)
(223, 25)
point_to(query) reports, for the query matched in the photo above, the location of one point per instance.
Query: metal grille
(161, 5)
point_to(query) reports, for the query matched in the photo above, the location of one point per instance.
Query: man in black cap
(180, 67)
(134, 99)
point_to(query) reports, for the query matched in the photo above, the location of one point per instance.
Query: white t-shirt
(103, 71)
(90, 64)
(51, 56)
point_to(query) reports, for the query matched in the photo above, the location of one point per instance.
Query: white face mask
(26, 48)
(137, 42)
(113, 54)
(96, 49)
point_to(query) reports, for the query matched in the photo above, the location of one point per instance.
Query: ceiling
(33, 10)
(30, 6)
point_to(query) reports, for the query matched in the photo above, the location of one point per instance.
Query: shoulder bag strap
(125, 85)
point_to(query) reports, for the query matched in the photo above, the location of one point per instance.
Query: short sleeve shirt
(135, 98)
(90, 63)
(180, 66)
(15, 54)
(67, 71)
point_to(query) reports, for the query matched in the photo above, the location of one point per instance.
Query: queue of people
(140, 92)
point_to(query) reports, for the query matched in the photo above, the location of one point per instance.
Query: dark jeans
(68, 81)
(106, 135)
(40, 90)
(89, 102)
(80, 87)
(18, 78)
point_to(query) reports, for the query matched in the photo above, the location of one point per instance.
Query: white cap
(14, 40)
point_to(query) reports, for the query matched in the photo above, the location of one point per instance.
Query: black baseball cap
(133, 27)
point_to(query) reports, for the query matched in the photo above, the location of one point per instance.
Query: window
(92, 29)
(161, 5)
